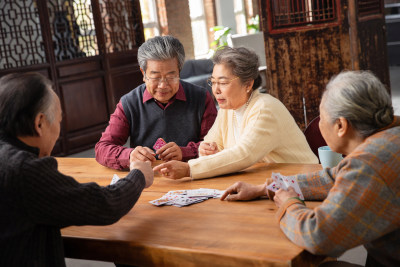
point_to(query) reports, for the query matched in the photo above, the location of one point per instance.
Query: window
(149, 18)
(199, 28)
(240, 17)
(288, 13)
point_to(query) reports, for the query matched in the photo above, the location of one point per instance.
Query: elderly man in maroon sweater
(163, 107)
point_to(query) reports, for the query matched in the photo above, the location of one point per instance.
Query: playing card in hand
(114, 179)
(283, 182)
(159, 143)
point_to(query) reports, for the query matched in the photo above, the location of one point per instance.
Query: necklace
(241, 111)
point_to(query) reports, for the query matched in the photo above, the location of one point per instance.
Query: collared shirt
(361, 203)
(110, 148)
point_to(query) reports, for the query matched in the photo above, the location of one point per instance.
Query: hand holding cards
(284, 182)
(167, 151)
(159, 144)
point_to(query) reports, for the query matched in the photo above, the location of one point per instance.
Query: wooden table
(211, 233)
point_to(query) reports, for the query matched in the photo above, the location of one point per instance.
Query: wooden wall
(302, 57)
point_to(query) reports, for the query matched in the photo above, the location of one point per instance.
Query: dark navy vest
(180, 122)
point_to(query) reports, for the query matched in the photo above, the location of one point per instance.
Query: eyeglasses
(221, 83)
(158, 80)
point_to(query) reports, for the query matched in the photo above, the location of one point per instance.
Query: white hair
(361, 98)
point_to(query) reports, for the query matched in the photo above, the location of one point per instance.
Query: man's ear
(342, 126)
(39, 120)
(143, 74)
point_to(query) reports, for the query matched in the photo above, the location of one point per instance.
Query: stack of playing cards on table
(280, 181)
(180, 198)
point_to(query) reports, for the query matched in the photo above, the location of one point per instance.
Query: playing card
(159, 143)
(114, 179)
(181, 198)
(280, 181)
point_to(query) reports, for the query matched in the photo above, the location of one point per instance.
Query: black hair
(22, 97)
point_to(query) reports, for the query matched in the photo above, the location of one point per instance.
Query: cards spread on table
(280, 181)
(159, 143)
(114, 179)
(180, 198)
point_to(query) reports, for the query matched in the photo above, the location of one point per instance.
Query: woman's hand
(173, 169)
(244, 191)
(206, 148)
(282, 195)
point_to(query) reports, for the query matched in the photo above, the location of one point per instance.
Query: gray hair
(361, 98)
(243, 62)
(161, 48)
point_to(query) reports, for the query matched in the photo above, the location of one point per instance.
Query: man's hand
(244, 191)
(208, 148)
(170, 151)
(141, 153)
(282, 195)
(173, 169)
(145, 168)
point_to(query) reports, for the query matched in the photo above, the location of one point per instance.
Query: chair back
(313, 136)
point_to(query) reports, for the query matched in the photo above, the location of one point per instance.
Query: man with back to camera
(163, 107)
(35, 199)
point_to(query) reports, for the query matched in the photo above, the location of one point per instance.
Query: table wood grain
(212, 233)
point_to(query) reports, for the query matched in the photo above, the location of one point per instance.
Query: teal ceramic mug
(328, 158)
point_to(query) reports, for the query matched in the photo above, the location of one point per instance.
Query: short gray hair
(361, 98)
(161, 48)
(243, 62)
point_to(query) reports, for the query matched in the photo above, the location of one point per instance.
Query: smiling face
(228, 89)
(167, 87)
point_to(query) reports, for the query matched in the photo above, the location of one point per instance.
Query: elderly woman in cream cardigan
(250, 126)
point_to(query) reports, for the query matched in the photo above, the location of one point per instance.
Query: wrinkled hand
(141, 153)
(282, 195)
(173, 169)
(145, 168)
(206, 148)
(170, 151)
(244, 191)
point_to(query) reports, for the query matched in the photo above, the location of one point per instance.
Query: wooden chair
(313, 136)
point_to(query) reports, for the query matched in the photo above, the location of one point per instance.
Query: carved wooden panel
(21, 41)
(302, 58)
(85, 103)
(72, 27)
(88, 48)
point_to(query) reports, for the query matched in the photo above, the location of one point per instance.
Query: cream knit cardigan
(268, 134)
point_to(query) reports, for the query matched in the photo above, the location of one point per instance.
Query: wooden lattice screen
(88, 48)
(295, 13)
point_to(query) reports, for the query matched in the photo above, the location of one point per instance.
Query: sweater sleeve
(358, 209)
(260, 136)
(55, 199)
(214, 134)
(110, 151)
